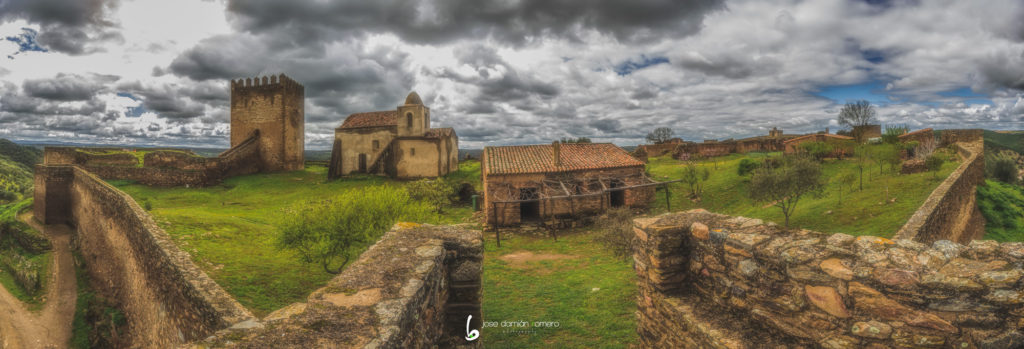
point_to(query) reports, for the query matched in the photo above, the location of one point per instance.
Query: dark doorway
(618, 197)
(362, 162)
(528, 211)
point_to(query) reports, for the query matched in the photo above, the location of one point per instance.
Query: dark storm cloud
(497, 81)
(732, 67)
(1004, 70)
(168, 101)
(66, 25)
(68, 87)
(447, 20)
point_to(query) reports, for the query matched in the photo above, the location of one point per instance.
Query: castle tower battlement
(274, 105)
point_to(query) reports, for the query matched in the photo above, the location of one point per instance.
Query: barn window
(376, 144)
(408, 119)
(412, 151)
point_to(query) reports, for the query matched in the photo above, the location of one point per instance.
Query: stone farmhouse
(398, 143)
(535, 183)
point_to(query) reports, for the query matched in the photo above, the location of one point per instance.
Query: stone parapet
(415, 288)
(714, 281)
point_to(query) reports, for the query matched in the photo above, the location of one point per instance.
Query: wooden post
(497, 235)
(668, 205)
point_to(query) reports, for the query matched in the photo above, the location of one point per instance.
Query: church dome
(413, 99)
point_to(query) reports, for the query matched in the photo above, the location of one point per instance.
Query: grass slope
(561, 290)
(43, 260)
(1012, 140)
(230, 229)
(1002, 205)
(865, 212)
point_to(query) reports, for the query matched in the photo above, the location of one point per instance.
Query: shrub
(747, 166)
(617, 231)
(892, 133)
(695, 178)
(1002, 166)
(147, 205)
(816, 150)
(435, 192)
(934, 163)
(329, 232)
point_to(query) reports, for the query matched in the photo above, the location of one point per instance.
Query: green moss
(862, 212)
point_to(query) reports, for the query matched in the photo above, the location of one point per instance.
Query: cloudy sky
(155, 72)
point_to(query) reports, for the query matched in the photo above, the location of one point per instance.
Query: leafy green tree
(892, 133)
(575, 140)
(436, 192)
(860, 113)
(695, 177)
(660, 135)
(784, 186)
(330, 232)
(934, 163)
(1002, 166)
(747, 166)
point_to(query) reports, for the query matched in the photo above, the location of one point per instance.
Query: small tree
(784, 186)
(857, 114)
(1002, 166)
(846, 180)
(863, 154)
(660, 135)
(695, 177)
(747, 166)
(893, 156)
(435, 192)
(330, 232)
(934, 164)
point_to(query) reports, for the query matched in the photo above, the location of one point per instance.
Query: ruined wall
(415, 288)
(274, 106)
(950, 212)
(167, 168)
(960, 136)
(166, 299)
(713, 281)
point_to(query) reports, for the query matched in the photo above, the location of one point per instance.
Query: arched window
(408, 120)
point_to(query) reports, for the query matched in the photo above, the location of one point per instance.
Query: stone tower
(413, 117)
(273, 106)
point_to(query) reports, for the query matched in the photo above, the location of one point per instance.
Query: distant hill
(25, 155)
(999, 140)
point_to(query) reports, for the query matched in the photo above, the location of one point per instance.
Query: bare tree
(660, 135)
(859, 113)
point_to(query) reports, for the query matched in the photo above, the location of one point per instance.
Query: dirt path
(50, 327)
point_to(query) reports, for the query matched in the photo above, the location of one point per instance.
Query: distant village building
(540, 182)
(397, 143)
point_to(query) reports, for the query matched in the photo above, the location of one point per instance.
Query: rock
(799, 254)
(1000, 279)
(840, 239)
(736, 251)
(247, 324)
(429, 251)
(839, 342)
(948, 248)
(827, 299)
(982, 249)
(896, 277)
(903, 258)
(807, 274)
(1005, 297)
(834, 267)
(958, 305)
(931, 259)
(871, 243)
(699, 231)
(871, 301)
(910, 245)
(286, 312)
(946, 282)
(871, 256)
(828, 212)
(871, 329)
(961, 267)
(748, 267)
(1010, 339)
(746, 241)
(1012, 249)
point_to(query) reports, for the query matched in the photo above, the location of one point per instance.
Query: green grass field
(1002, 204)
(230, 231)
(862, 212)
(574, 282)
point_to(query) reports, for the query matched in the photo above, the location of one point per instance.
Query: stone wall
(714, 281)
(275, 107)
(415, 288)
(165, 168)
(950, 211)
(166, 299)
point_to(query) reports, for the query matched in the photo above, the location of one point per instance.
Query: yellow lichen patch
(877, 240)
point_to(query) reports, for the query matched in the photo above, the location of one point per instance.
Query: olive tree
(660, 135)
(695, 178)
(785, 185)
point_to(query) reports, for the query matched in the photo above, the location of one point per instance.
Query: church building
(397, 143)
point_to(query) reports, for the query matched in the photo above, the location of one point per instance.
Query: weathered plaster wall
(950, 211)
(415, 288)
(166, 299)
(357, 141)
(714, 281)
(426, 162)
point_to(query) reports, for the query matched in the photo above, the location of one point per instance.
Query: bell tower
(413, 117)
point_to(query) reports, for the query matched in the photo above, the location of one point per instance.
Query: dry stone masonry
(415, 288)
(713, 281)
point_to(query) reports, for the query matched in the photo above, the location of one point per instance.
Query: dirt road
(51, 326)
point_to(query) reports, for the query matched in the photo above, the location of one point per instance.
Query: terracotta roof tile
(520, 159)
(371, 119)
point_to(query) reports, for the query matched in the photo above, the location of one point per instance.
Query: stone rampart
(415, 288)
(166, 299)
(714, 281)
(950, 211)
